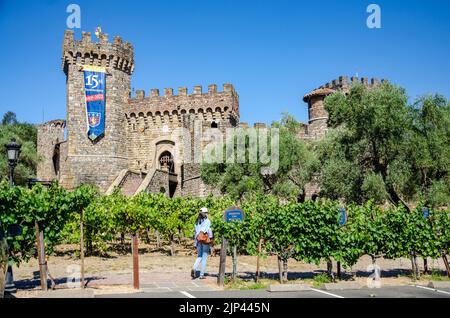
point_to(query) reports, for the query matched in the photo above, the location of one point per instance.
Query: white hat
(204, 210)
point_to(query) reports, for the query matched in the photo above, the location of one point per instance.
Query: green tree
(49, 208)
(99, 225)
(26, 135)
(296, 162)
(9, 118)
(379, 146)
(429, 150)
(22, 247)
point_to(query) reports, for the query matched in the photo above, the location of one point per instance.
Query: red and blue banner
(95, 91)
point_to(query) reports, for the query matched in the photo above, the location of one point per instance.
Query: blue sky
(273, 52)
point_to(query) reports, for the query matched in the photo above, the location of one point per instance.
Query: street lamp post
(12, 152)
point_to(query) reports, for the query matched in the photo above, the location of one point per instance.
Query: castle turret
(318, 115)
(101, 160)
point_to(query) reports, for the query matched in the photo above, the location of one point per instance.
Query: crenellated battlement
(170, 107)
(183, 91)
(116, 54)
(343, 82)
(318, 115)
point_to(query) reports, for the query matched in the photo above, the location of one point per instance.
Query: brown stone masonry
(141, 150)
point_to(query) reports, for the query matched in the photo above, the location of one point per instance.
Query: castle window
(214, 125)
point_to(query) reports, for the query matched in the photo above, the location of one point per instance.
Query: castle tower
(50, 140)
(318, 115)
(100, 161)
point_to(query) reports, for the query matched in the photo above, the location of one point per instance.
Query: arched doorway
(166, 162)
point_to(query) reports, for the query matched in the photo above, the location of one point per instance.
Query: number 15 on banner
(92, 81)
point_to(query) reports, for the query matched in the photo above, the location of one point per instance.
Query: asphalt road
(383, 292)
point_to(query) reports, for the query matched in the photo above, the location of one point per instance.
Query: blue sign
(426, 213)
(94, 87)
(342, 216)
(234, 214)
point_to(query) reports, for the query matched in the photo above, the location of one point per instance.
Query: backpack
(203, 238)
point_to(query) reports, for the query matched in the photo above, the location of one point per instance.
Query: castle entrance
(166, 163)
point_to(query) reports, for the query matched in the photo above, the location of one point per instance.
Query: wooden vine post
(234, 262)
(222, 262)
(135, 252)
(41, 256)
(258, 273)
(82, 247)
(232, 214)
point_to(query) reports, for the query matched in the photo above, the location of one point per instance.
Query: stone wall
(96, 162)
(157, 119)
(137, 130)
(181, 124)
(49, 137)
(159, 182)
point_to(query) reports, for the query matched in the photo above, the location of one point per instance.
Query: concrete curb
(439, 284)
(341, 286)
(288, 287)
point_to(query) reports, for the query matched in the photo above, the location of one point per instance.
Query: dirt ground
(157, 265)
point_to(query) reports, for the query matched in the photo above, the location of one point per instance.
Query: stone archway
(166, 162)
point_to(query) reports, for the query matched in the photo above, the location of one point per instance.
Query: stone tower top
(116, 54)
(341, 83)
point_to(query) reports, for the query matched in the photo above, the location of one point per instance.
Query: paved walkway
(157, 282)
(383, 292)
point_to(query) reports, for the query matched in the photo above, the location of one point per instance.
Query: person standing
(202, 231)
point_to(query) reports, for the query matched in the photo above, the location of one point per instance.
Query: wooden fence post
(41, 256)
(135, 251)
(223, 257)
(258, 260)
(234, 263)
(82, 248)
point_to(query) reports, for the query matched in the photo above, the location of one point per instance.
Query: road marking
(327, 293)
(187, 294)
(433, 289)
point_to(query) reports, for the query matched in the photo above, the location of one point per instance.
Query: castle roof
(318, 92)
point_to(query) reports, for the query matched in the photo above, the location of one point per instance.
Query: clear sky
(273, 52)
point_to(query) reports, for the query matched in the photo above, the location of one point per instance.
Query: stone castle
(137, 152)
